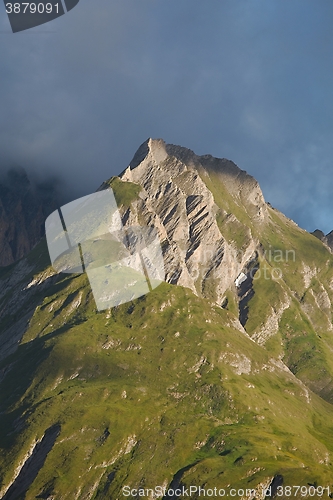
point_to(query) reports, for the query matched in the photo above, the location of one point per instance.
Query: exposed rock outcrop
(327, 239)
(170, 389)
(176, 200)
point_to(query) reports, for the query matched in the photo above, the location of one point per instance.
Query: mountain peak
(196, 203)
(155, 148)
(156, 151)
(190, 384)
(157, 159)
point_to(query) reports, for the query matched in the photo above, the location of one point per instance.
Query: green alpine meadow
(221, 377)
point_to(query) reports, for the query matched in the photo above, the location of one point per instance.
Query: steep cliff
(23, 209)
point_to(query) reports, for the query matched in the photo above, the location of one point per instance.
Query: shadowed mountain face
(23, 209)
(327, 239)
(220, 377)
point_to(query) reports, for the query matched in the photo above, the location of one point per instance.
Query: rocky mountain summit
(175, 199)
(222, 376)
(215, 226)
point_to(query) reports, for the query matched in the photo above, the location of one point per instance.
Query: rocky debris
(260, 491)
(321, 304)
(239, 362)
(322, 298)
(198, 365)
(308, 273)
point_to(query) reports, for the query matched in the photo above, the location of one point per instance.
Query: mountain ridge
(208, 380)
(327, 239)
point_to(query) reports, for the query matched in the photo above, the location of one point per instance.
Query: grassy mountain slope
(171, 388)
(294, 285)
(148, 388)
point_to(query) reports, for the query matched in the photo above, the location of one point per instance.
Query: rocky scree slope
(207, 383)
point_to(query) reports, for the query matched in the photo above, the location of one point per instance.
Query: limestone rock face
(23, 209)
(176, 200)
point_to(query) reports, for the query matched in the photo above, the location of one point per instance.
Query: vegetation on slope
(151, 387)
(169, 384)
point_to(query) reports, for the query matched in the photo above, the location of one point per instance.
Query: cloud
(250, 81)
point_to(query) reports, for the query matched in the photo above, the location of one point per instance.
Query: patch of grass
(290, 248)
(166, 384)
(125, 192)
(223, 198)
(233, 230)
(151, 372)
(230, 303)
(268, 293)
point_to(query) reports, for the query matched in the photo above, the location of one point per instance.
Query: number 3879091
(31, 8)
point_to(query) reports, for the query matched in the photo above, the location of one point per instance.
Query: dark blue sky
(249, 80)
